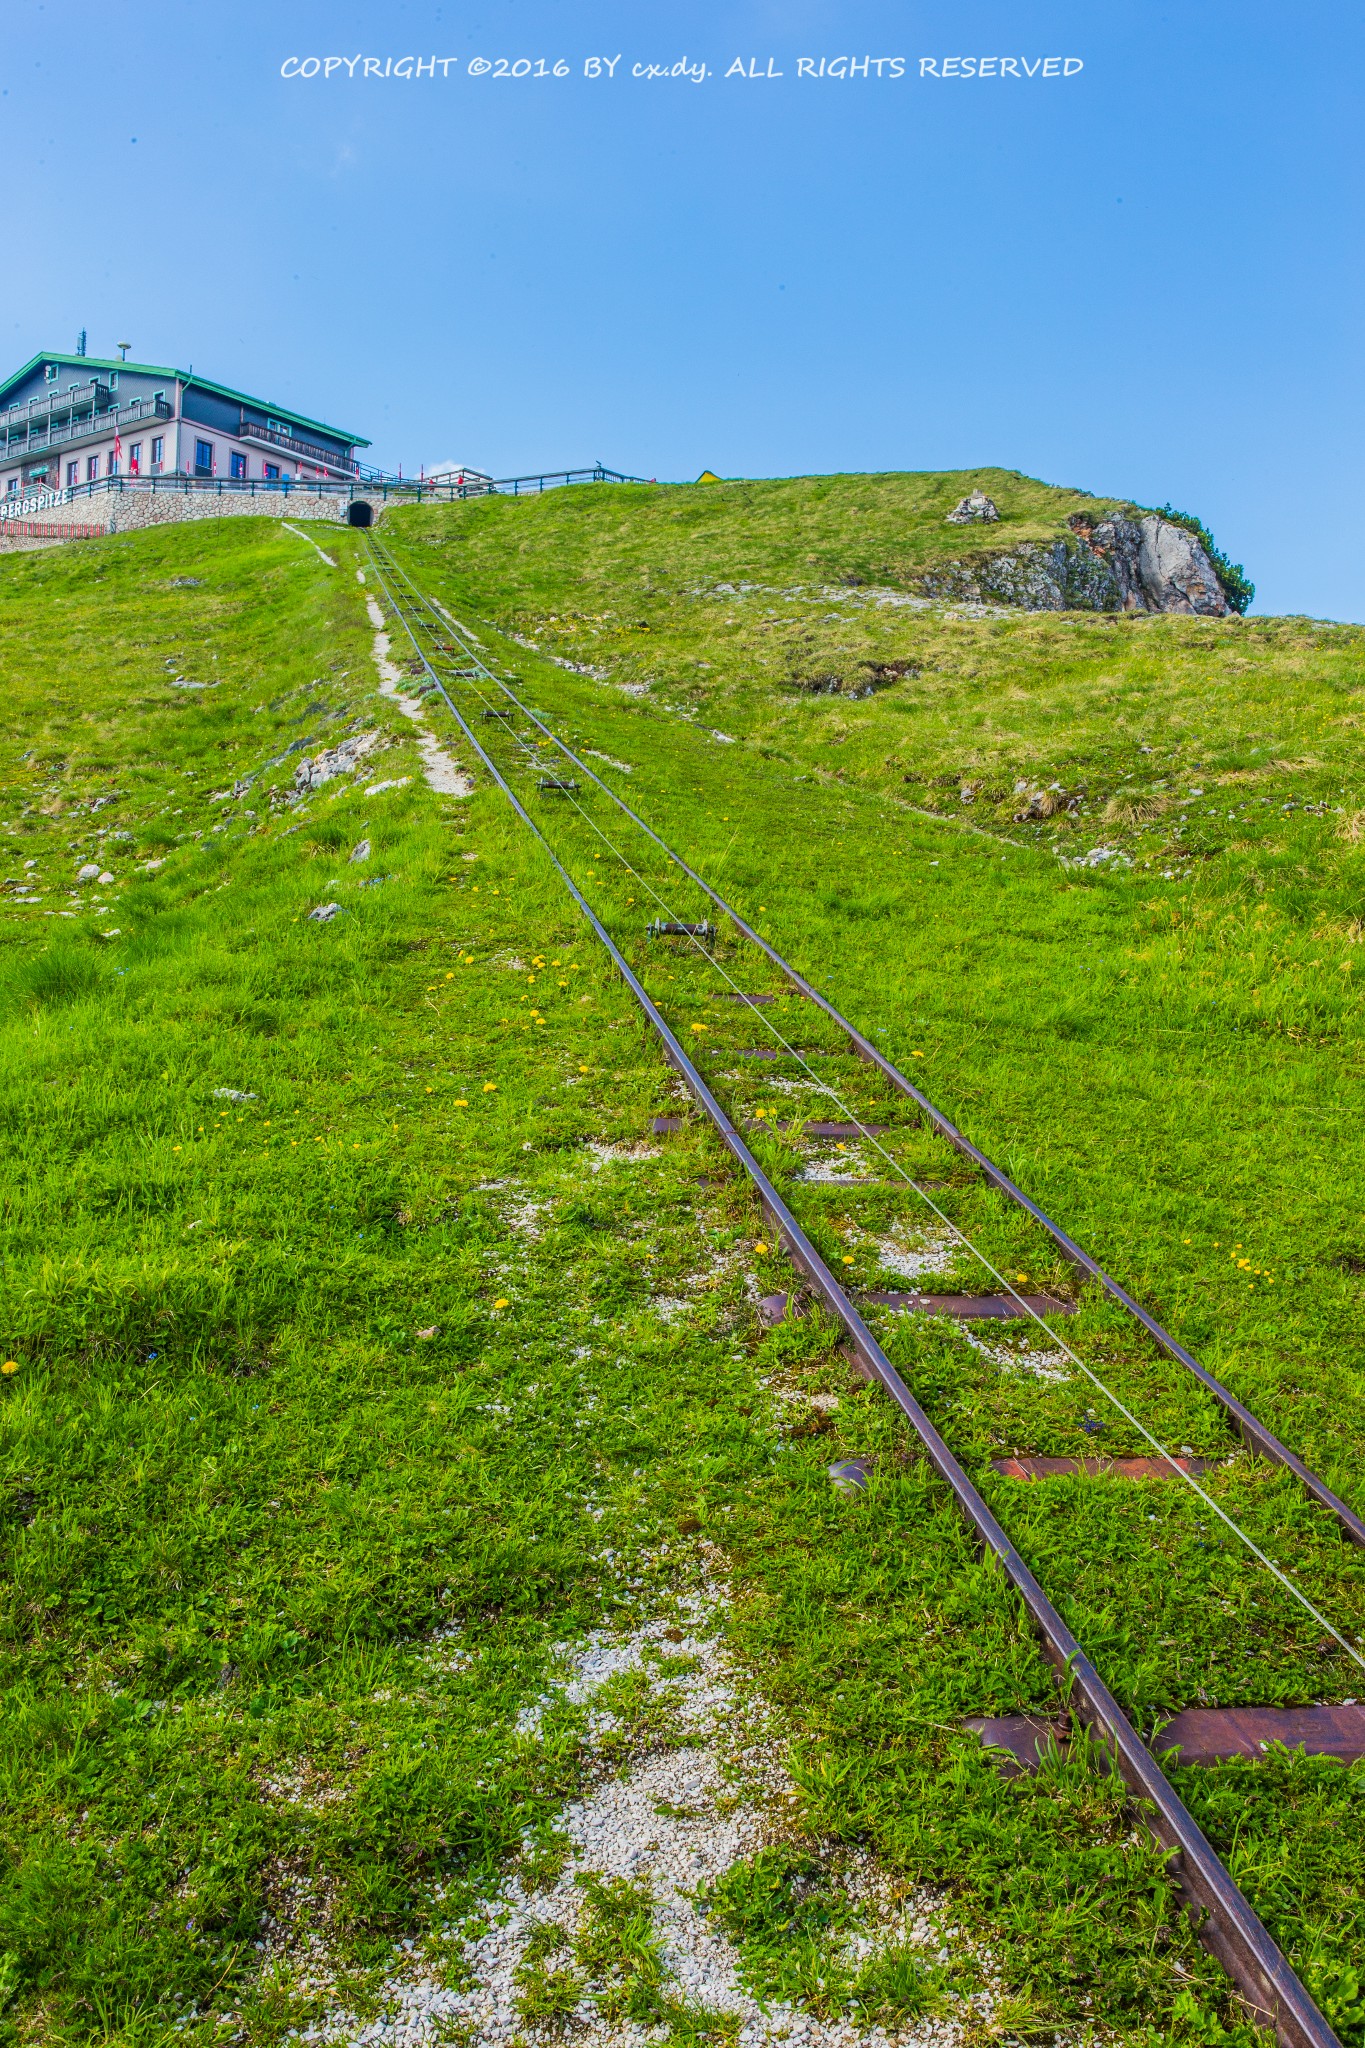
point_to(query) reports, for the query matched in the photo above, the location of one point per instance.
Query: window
(13, 483)
(158, 451)
(92, 468)
(203, 458)
(50, 372)
(135, 459)
(238, 464)
(111, 464)
(270, 471)
(71, 472)
(113, 380)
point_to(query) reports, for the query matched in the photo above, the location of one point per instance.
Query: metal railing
(43, 433)
(305, 450)
(473, 486)
(21, 504)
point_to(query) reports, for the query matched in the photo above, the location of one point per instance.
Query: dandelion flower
(502, 1302)
(760, 1247)
(490, 1087)
(431, 1091)
(581, 1068)
(460, 1103)
(175, 1148)
(848, 1258)
(917, 1055)
(10, 1365)
(699, 1027)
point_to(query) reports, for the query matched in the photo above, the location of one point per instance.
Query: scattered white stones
(1098, 857)
(89, 873)
(1050, 1366)
(325, 912)
(232, 1095)
(676, 1821)
(603, 1154)
(610, 760)
(395, 782)
(933, 1252)
(361, 851)
(838, 1169)
(342, 759)
(441, 772)
(524, 1216)
(976, 508)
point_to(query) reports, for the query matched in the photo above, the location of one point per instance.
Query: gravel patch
(676, 1821)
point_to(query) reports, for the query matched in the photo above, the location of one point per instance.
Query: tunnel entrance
(360, 514)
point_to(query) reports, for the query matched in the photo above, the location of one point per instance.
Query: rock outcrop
(975, 509)
(1158, 566)
(1144, 564)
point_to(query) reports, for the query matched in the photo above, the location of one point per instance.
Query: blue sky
(1143, 279)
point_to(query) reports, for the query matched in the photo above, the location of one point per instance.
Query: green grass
(306, 1383)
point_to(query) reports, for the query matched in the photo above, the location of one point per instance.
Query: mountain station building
(69, 420)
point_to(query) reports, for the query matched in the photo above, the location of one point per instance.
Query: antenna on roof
(123, 348)
(80, 343)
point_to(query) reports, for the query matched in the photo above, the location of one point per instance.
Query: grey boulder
(1157, 565)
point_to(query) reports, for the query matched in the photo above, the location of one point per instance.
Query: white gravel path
(442, 772)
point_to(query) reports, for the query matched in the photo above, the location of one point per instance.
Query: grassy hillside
(341, 1401)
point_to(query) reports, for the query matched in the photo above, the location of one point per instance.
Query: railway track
(482, 702)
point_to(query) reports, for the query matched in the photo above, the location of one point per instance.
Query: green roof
(284, 412)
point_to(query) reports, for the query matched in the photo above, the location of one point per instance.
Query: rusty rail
(1248, 1425)
(1227, 1923)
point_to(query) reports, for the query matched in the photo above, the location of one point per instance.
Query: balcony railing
(305, 451)
(92, 396)
(43, 433)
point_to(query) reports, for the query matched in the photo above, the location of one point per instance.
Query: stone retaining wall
(127, 511)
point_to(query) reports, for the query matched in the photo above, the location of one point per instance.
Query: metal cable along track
(1227, 1923)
